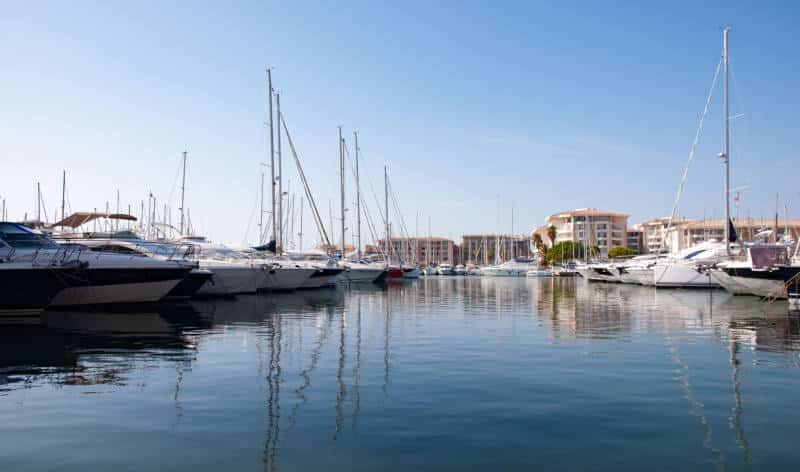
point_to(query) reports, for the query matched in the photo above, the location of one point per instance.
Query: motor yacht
(326, 270)
(766, 271)
(685, 268)
(512, 268)
(129, 243)
(460, 270)
(598, 272)
(445, 269)
(97, 277)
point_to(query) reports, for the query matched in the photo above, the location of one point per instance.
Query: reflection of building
(604, 229)
(423, 250)
(482, 248)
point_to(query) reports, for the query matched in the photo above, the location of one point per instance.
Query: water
(438, 374)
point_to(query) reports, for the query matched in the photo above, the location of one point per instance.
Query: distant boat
(512, 268)
(460, 270)
(445, 269)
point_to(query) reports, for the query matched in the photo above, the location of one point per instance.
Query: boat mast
(271, 147)
(341, 186)
(512, 230)
(183, 190)
(726, 150)
(300, 234)
(386, 215)
(358, 201)
(63, 192)
(279, 228)
(38, 202)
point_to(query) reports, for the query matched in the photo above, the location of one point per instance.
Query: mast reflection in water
(444, 372)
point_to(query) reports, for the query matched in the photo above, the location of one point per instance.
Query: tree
(539, 245)
(566, 251)
(551, 235)
(620, 251)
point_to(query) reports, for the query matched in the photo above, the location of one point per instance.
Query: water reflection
(94, 348)
(457, 354)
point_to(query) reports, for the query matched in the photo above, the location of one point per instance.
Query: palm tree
(539, 245)
(551, 235)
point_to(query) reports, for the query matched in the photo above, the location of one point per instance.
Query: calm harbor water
(437, 374)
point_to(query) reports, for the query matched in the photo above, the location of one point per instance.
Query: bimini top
(82, 217)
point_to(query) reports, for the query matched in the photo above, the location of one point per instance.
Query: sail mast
(271, 147)
(63, 192)
(38, 202)
(341, 185)
(279, 228)
(386, 215)
(183, 191)
(726, 150)
(358, 201)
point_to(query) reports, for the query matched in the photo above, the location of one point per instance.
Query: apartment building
(433, 250)
(601, 228)
(481, 249)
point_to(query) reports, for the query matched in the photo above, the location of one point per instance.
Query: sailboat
(511, 268)
(685, 268)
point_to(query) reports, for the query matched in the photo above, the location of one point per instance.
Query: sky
(475, 107)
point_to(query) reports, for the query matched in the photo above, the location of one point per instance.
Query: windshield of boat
(18, 236)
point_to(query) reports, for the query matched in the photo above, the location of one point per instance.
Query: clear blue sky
(552, 105)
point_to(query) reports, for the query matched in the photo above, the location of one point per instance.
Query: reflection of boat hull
(682, 275)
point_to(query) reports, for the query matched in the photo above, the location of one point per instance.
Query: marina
(424, 236)
(433, 373)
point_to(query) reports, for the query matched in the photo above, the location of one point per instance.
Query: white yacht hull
(365, 274)
(502, 272)
(681, 275)
(729, 283)
(592, 274)
(231, 279)
(641, 275)
(321, 281)
(142, 292)
(412, 273)
(284, 278)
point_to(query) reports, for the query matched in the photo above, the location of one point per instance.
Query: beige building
(422, 250)
(653, 232)
(481, 249)
(688, 233)
(590, 226)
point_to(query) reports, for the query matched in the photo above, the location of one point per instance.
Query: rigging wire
(691, 156)
(365, 207)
